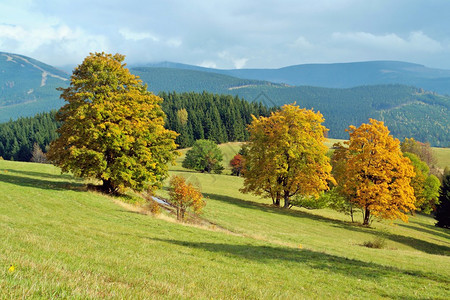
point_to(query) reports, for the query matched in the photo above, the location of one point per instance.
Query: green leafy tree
(425, 185)
(443, 208)
(204, 156)
(113, 128)
(340, 200)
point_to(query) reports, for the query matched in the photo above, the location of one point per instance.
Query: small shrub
(378, 243)
(153, 207)
(185, 196)
(205, 156)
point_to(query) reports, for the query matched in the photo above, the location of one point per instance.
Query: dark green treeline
(221, 118)
(18, 137)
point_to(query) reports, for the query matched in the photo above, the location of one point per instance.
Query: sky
(229, 34)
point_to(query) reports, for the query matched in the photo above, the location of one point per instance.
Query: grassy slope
(67, 242)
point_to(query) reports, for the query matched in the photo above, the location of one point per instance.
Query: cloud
(301, 43)
(239, 63)
(208, 64)
(416, 41)
(57, 43)
(229, 34)
(137, 36)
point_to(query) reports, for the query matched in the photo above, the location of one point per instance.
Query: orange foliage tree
(237, 165)
(184, 195)
(285, 155)
(377, 175)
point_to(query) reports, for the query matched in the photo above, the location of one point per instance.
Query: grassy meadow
(67, 242)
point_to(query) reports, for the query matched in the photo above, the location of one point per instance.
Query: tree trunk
(276, 200)
(178, 213)
(366, 216)
(287, 201)
(351, 213)
(108, 187)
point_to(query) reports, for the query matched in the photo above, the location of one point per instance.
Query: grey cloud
(229, 34)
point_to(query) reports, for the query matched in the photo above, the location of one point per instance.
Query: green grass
(66, 242)
(442, 156)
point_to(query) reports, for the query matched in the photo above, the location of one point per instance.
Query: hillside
(66, 242)
(407, 111)
(28, 86)
(341, 75)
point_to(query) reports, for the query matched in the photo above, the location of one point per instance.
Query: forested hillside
(341, 75)
(221, 118)
(406, 110)
(29, 87)
(17, 138)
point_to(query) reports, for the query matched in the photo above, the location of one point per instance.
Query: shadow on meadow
(423, 228)
(41, 174)
(21, 178)
(316, 260)
(288, 212)
(415, 243)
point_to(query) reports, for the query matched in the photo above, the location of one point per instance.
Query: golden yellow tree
(112, 128)
(285, 155)
(377, 175)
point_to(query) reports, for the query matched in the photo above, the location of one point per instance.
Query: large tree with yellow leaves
(377, 175)
(113, 128)
(285, 155)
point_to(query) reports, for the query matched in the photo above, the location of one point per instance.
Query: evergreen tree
(443, 208)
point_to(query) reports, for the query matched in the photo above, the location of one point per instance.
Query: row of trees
(220, 118)
(19, 138)
(113, 130)
(285, 157)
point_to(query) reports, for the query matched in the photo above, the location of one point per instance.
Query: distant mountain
(407, 111)
(28, 86)
(340, 75)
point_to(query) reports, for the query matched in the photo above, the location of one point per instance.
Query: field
(67, 242)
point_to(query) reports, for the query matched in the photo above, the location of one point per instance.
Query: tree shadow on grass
(429, 231)
(312, 259)
(415, 243)
(41, 174)
(41, 183)
(289, 212)
(418, 244)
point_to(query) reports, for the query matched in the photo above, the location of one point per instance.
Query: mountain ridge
(338, 75)
(408, 111)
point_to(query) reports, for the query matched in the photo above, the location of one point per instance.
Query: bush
(185, 196)
(204, 156)
(378, 243)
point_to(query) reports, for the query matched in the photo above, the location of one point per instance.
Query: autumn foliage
(285, 155)
(185, 196)
(376, 175)
(113, 128)
(237, 165)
